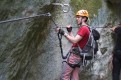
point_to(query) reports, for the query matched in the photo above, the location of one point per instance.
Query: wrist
(65, 34)
(70, 32)
(69, 29)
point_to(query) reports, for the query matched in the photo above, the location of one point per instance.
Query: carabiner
(65, 7)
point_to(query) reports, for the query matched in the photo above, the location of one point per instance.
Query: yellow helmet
(82, 13)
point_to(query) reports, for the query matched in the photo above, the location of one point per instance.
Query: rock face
(114, 1)
(29, 49)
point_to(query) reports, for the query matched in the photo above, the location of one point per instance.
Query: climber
(116, 56)
(72, 64)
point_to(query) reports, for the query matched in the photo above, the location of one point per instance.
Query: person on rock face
(116, 56)
(71, 66)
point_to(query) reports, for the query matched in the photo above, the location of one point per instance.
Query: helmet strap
(80, 22)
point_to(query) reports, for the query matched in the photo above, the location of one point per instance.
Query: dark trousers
(116, 65)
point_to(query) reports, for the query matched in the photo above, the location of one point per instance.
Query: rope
(63, 6)
(65, 9)
(60, 40)
(12, 20)
(47, 14)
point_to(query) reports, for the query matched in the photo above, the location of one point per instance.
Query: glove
(69, 29)
(61, 31)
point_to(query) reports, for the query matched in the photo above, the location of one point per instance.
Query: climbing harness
(65, 7)
(12, 20)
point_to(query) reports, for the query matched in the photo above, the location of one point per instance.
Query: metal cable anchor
(17, 19)
(65, 7)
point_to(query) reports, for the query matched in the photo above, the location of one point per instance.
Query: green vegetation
(91, 5)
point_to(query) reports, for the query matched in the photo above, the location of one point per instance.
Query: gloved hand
(69, 28)
(61, 31)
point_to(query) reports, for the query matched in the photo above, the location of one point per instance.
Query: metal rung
(64, 6)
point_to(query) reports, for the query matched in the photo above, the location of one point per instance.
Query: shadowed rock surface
(29, 49)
